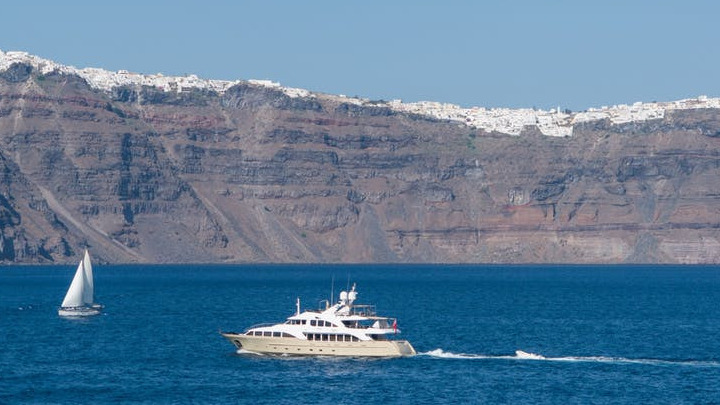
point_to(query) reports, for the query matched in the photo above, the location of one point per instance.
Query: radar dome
(343, 295)
(352, 295)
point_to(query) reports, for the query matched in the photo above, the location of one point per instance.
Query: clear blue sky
(504, 53)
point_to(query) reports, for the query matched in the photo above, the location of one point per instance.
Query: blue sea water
(588, 335)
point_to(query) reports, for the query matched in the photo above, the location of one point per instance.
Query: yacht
(340, 329)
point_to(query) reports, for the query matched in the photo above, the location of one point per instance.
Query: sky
(504, 53)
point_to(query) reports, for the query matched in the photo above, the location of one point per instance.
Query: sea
(484, 334)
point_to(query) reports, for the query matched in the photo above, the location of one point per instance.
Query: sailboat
(80, 297)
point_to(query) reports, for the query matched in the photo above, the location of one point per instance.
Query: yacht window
(317, 336)
(313, 323)
(332, 338)
(267, 333)
(355, 339)
(276, 334)
(304, 321)
(286, 335)
(325, 338)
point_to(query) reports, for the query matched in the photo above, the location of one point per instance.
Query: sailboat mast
(89, 284)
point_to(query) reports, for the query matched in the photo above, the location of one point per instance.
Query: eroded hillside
(254, 174)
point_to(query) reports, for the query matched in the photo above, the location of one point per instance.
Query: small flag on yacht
(395, 325)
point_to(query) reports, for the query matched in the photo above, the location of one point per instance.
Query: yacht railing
(260, 325)
(363, 310)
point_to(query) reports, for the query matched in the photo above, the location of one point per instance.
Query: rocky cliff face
(252, 174)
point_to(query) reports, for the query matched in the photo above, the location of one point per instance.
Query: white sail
(74, 296)
(88, 295)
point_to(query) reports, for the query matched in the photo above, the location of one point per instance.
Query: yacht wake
(441, 354)
(522, 355)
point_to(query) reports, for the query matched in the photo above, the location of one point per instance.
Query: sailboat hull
(78, 311)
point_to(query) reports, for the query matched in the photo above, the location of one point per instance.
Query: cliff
(173, 170)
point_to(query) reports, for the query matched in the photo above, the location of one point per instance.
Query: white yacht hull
(300, 347)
